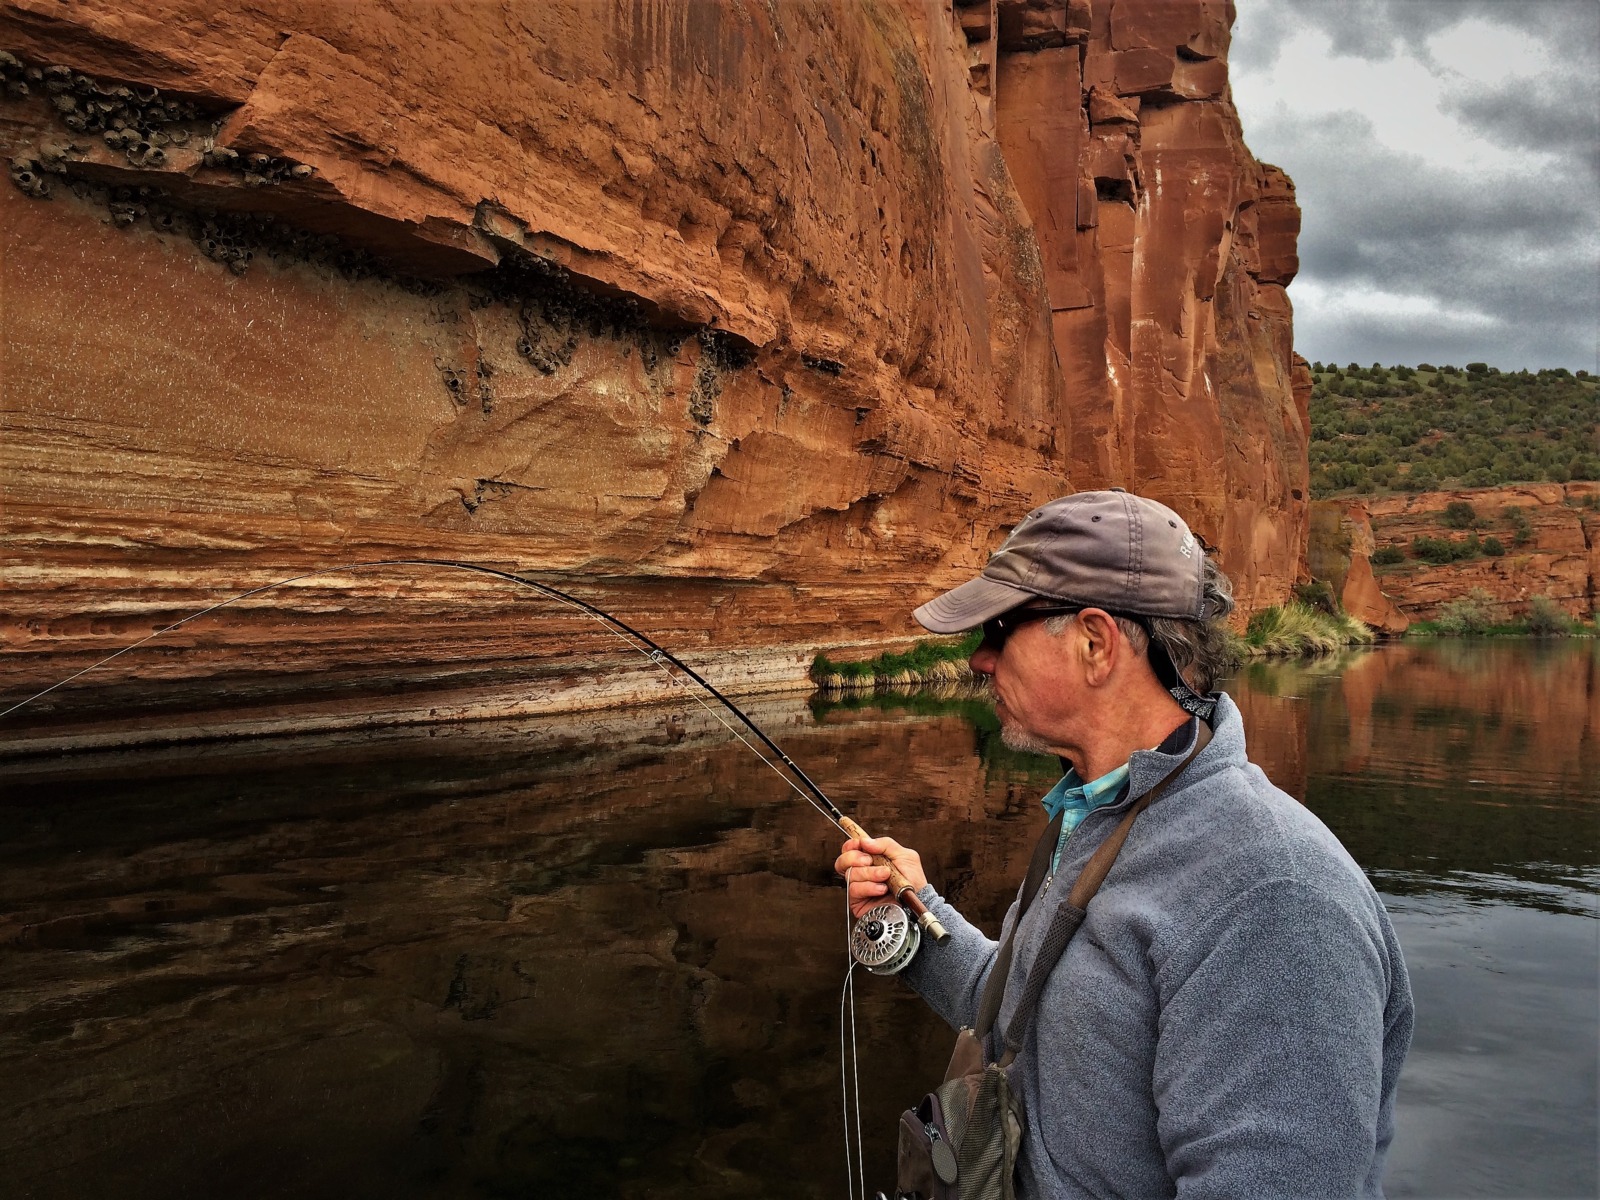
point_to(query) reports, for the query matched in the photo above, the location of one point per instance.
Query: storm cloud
(1446, 154)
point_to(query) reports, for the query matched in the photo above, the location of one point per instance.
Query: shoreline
(754, 678)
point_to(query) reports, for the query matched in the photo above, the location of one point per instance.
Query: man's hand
(868, 883)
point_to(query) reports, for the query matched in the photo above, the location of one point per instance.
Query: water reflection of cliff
(1437, 763)
(596, 959)
(601, 957)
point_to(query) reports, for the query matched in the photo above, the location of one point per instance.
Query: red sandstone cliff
(1557, 556)
(755, 323)
(1167, 250)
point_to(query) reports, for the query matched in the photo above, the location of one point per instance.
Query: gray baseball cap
(1109, 550)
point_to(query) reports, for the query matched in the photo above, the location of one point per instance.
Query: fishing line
(850, 1072)
(663, 660)
(629, 636)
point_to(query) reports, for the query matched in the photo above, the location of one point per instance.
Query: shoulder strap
(994, 988)
(1067, 918)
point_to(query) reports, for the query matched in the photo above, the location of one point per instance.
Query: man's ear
(1099, 645)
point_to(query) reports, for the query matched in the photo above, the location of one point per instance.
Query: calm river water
(602, 957)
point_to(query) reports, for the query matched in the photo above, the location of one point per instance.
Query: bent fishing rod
(883, 940)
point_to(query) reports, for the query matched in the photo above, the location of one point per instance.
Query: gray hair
(1202, 650)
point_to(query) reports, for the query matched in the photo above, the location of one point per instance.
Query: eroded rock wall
(1552, 550)
(1167, 251)
(755, 324)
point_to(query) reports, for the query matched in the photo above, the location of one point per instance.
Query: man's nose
(983, 659)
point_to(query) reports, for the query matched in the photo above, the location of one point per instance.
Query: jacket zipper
(1120, 806)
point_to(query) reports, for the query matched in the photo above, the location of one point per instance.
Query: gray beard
(1014, 735)
(1019, 738)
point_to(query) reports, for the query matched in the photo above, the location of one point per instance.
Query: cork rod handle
(900, 887)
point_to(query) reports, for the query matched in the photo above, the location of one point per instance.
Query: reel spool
(885, 939)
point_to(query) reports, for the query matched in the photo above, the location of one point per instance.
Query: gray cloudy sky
(1446, 154)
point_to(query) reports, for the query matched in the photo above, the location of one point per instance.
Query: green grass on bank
(929, 661)
(1298, 630)
(1426, 428)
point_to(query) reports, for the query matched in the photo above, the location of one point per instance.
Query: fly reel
(885, 939)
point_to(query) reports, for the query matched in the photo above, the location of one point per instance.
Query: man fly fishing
(1197, 992)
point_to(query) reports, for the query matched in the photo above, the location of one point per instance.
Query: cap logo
(1186, 546)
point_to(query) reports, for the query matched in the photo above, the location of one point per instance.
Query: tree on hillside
(1418, 431)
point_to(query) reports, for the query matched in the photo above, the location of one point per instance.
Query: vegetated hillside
(1427, 428)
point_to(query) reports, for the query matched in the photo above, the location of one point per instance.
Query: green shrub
(1433, 550)
(1439, 551)
(1521, 531)
(1472, 614)
(1477, 368)
(1318, 595)
(1387, 556)
(1546, 618)
(1458, 514)
(1493, 548)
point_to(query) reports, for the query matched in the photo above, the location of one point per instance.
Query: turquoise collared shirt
(1075, 800)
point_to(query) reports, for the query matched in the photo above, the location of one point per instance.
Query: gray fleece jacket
(1231, 1018)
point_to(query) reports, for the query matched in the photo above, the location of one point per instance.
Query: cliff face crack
(486, 490)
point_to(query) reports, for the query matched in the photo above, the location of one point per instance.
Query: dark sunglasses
(997, 629)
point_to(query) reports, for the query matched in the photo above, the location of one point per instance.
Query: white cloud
(1340, 304)
(1445, 155)
(1403, 97)
(1479, 52)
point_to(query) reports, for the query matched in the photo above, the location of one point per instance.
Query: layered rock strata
(754, 325)
(1550, 533)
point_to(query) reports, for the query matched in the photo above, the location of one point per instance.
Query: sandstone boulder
(1363, 600)
(1341, 545)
